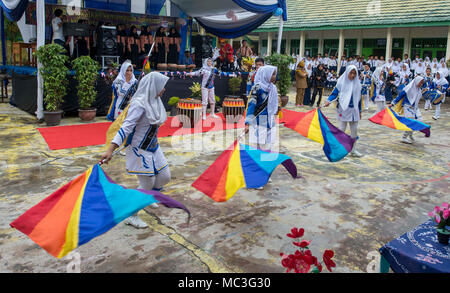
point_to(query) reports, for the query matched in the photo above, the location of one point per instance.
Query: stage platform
(24, 89)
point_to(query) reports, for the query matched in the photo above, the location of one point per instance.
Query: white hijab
(349, 88)
(405, 73)
(412, 91)
(205, 65)
(123, 72)
(420, 69)
(262, 78)
(443, 66)
(441, 81)
(147, 97)
(396, 67)
(376, 74)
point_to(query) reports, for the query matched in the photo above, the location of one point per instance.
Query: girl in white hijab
(420, 69)
(378, 92)
(124, 86)
(404, 76)
(427, 61)
(411, 96)
(144, 156)
(440, 84)
(262, 108)
(208, 73)
(348, 89)
(443, 66)
(396, 67)
(388, 65)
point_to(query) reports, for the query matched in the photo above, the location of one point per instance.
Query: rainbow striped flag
(389, 118)
(240, 166)
(83, 209)
(315, 126)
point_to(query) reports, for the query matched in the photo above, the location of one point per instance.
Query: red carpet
(73, 136)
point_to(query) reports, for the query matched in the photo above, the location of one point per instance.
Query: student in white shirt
(57, 26)
(381, 62)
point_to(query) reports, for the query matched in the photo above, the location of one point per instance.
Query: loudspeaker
(107, 41)
(76, 29)
(203, 48)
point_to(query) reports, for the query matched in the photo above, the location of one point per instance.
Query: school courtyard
(353, 207)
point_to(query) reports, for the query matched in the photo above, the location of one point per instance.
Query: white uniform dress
(349, 106)
(411, 96)
(144, 155)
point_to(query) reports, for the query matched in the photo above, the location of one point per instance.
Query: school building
(360, 27)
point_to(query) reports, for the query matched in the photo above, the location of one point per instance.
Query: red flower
(302, 244)
(299, 262)
(296, 233)
(319, 267)
(327, 255)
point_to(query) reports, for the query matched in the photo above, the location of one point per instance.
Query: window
(397, 43)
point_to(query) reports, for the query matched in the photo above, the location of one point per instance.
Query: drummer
(188, 60)
(440, 84)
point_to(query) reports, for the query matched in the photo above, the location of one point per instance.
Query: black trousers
(313, 99)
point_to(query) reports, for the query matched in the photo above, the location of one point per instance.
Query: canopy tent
(232, 18)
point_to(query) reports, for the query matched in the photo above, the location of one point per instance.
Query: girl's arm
(195, 73)
(332, 97)
(134, 113)
(249, 116)
(399, 97)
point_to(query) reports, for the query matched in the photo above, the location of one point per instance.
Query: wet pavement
(352, 207)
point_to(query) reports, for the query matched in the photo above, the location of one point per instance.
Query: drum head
(438, 99)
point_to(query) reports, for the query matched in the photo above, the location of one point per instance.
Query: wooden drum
(162, 66)
(233, 109)
(181, 67)
(190, 67)
(189, 112)
(172, 67)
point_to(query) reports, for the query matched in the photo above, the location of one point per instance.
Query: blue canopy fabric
(14, 9)
(231, 18)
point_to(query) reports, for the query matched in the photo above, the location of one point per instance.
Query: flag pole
(146, 61)
(245, 114)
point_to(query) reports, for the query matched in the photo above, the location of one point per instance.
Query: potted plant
(173, 102)
(302, 260)
(86, 73)
(441, 216)
(234, 85)
(54, 74)
(217, 98)
(284, 74)
(196, 91)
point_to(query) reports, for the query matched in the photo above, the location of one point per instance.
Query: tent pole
(40, 27)
(280, 35)
(3, 37)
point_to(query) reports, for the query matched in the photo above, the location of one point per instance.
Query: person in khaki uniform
(300, 76)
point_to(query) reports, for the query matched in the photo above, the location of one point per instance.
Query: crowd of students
(314, 74)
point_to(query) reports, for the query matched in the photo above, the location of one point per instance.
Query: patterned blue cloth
(418, 251)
